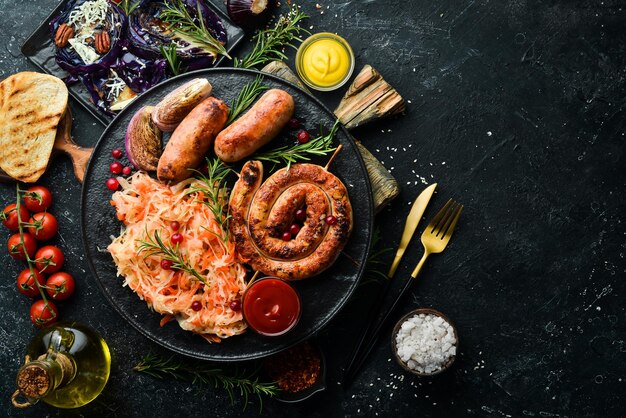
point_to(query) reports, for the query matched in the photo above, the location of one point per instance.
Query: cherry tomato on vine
(60, 286)
(43, 226)
(26, 283)
(16, 248)
(42, 315)
(9, 216)
(37, 199)
(49, 259)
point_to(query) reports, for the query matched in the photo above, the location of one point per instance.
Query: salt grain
(425, 343)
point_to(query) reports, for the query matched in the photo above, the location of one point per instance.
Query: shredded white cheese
(85, 18)
(89, 14)
(115, 85)
(87, 53)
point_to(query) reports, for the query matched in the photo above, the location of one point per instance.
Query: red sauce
(271, 306)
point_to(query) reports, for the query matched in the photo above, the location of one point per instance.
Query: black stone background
(516, 108)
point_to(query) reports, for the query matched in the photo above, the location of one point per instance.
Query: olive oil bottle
(67, 366)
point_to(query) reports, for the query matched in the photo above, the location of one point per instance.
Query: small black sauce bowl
(243, 304)
(318, 386)
(425, 311)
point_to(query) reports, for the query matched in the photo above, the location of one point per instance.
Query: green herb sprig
(247, 95)
(154, 245)
(214, 190)
(170, 55)
(128, 7)
(176, 15)
(321, 145)
(246, 383)
(375, 265)
(270, 43)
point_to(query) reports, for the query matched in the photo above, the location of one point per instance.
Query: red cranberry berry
(113, 184)
(176, 238)
(235, 305)
(300, 215)
(117, 153)
(196, 305)
(294, 123)
(116, 167)
(286, 236)
(331, 220)
(303, 137)
(294, 229)
(127, 171)
(204, 169)
(175, 225)
(166, 264)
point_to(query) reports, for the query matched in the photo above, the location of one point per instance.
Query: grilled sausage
(256, 127)
(261, 212)
(191, 140)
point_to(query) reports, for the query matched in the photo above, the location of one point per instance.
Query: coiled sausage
(261, 212)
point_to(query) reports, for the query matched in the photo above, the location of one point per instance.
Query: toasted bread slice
(31, 106)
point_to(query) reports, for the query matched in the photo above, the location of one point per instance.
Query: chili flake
(296, 368)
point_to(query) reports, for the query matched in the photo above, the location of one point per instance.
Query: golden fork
(434, 239)
(437, 234)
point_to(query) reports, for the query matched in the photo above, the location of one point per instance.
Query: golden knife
(417, 210)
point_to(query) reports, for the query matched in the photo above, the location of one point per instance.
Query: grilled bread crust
(31, 106)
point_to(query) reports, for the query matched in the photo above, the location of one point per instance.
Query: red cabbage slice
(147, 32)
(70, 61)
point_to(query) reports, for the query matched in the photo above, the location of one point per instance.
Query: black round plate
(322, 296)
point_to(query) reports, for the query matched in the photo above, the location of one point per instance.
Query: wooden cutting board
(64, 144)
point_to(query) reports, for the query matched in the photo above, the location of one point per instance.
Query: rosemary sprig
(320, 145)
(175, 14)
(129, 7)
(215, 192)
(247, 383)
(247, 95)
(270, 43)
(173, 61)
(374, 266)
(153, 245)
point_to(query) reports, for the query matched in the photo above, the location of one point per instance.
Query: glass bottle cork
(67, 366)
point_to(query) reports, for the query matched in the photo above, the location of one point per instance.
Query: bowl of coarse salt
(424, 342)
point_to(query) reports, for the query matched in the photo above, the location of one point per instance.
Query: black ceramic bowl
(318, 386)
(425, 311)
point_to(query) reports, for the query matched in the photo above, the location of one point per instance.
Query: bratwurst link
(191, 140)
(256, 127)
(262, 212)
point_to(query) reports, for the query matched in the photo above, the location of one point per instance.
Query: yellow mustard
(325, 61)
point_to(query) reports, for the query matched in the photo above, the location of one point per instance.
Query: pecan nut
(103, 42)
(64, 33)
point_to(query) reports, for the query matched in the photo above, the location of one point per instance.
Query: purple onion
(143, 140)
(249, 14)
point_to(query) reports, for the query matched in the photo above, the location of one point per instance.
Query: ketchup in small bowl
(271, 306)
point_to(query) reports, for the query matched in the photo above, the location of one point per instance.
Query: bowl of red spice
(299, 371)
